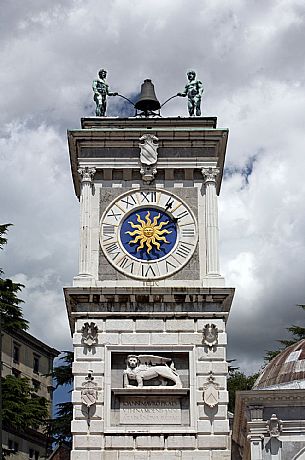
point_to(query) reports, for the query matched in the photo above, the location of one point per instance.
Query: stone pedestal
(156, 420)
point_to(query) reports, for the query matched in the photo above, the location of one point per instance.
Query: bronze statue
(193, 90)
(101, 91)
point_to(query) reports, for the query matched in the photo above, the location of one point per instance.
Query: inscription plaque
(150, 411)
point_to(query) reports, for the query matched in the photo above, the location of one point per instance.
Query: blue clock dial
(148, 233)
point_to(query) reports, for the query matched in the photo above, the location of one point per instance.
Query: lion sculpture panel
(147, 367)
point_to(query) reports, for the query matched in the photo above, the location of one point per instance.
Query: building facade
(148, 307)
(25, 356)
(269, 420)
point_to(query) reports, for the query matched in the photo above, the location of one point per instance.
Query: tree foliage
(21, 407)
(298, 333)
(60, 426)
(238, 381)
(62, 374)
(11, 316)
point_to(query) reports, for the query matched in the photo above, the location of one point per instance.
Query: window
(16, 353)
(15, 372)
(36, 364)
(36, 384)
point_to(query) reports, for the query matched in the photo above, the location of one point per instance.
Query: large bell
(147, 101)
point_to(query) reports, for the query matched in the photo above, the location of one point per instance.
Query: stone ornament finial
(210, 335)
(210, 391)
(274, 426)
(86, 174)
(89, 334)
(89, 395)
(148, 157)
(210, 174)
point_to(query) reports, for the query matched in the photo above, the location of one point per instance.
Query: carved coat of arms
(148, 156)
(89, 334)
(210, 335)
(148, 145)
(210, 391)
(89, 391)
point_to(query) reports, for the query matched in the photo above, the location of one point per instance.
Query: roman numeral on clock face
(108, 232)
(113, 250)
(169, 266)
(184, 250)
(114, 214)
(187, 232)
(147, 271)
(149, 197)
(129, 201)
(127, 264)
(182, 214)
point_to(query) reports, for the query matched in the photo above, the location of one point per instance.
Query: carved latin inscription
(152, 411)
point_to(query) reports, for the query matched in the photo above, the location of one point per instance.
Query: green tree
(60, 426)
(11, 316)
(238, 381)
(21, 407)
(298, 333)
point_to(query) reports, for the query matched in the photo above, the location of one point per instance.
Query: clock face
(148, 234)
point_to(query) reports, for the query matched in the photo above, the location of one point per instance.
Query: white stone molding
(86, 175)
(256, 446)
(148, 157)
(211, 214)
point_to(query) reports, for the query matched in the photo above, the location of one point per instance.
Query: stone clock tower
(148, 308)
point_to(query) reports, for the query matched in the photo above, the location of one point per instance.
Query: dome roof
(286, 370)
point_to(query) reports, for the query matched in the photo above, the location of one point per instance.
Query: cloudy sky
(249, 55)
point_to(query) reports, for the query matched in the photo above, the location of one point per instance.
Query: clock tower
(148, 306)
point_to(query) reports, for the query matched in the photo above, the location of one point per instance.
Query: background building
(25, 356)
(269, 420)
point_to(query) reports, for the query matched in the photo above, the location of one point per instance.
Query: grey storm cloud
(249, 55)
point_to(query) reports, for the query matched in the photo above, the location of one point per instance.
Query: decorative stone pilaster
(256, 444)
(86, 175)
(211, 215)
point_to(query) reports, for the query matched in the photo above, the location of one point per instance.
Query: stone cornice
(147, 302)
(200, 136)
